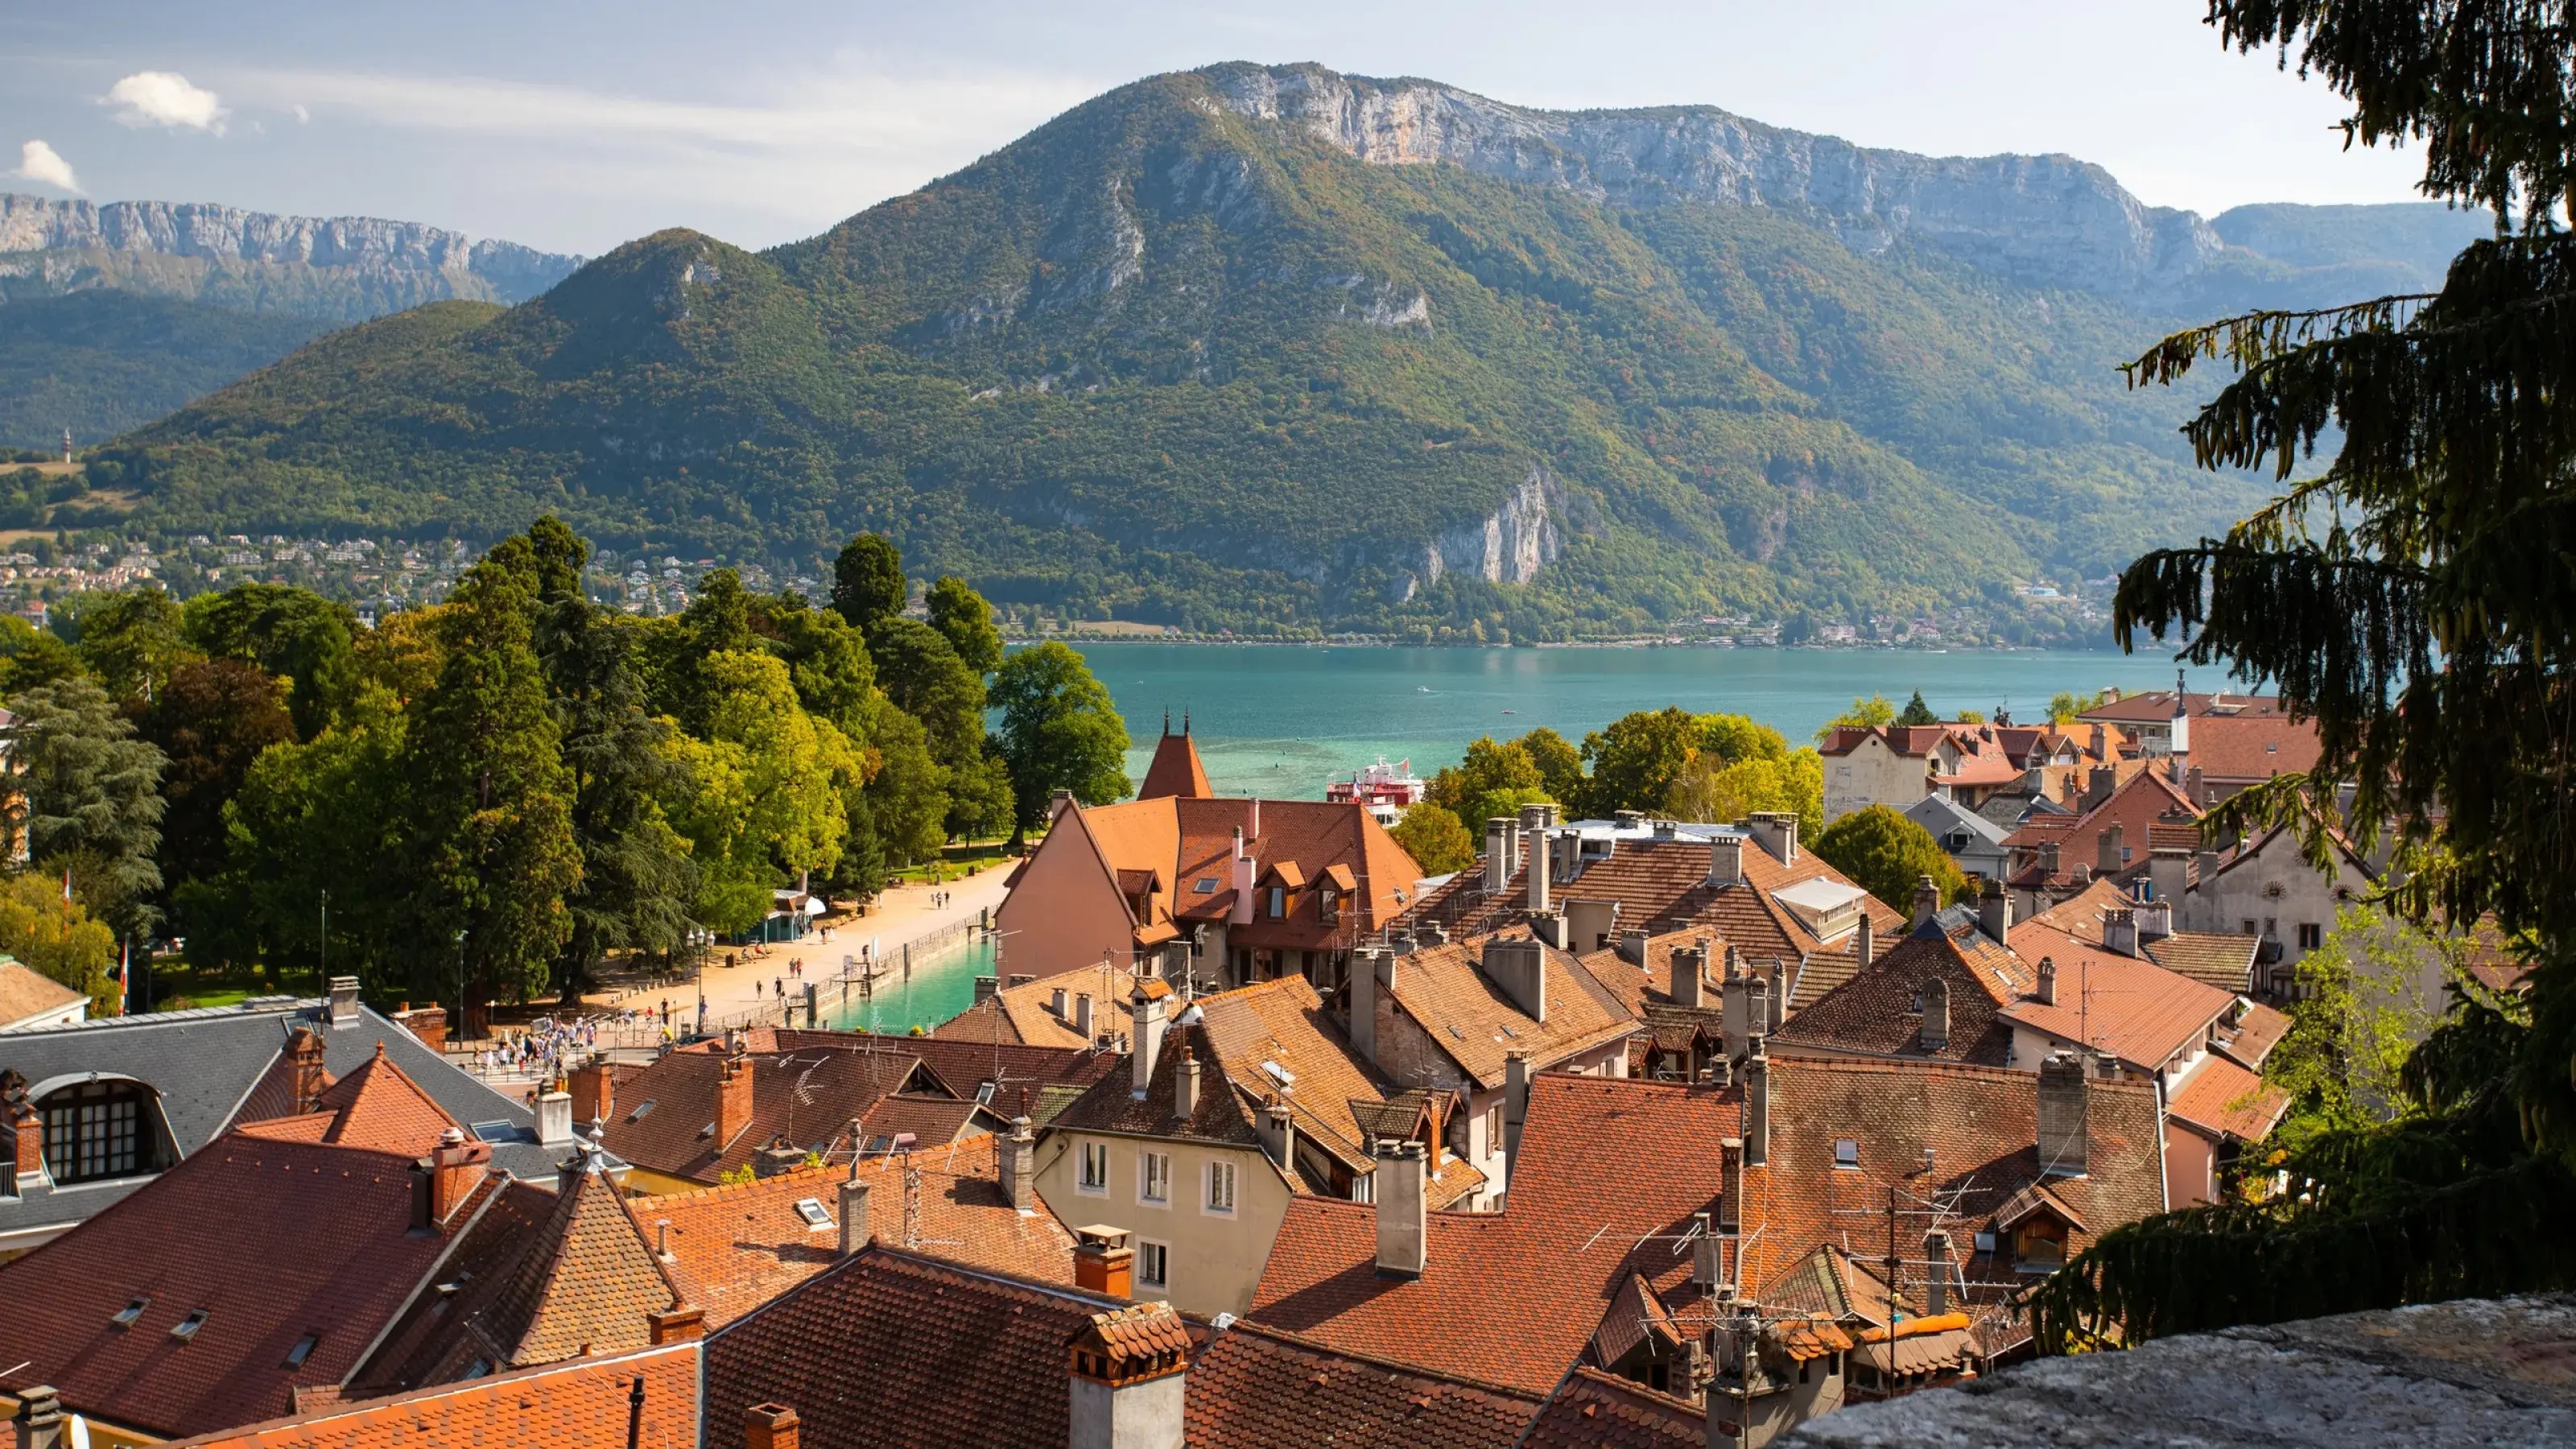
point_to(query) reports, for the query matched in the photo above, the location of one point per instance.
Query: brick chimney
(678, 1323)
(1730, 1184)
(1129, 1380)
(446, 1178)
(2046, 992)
(1927, 902)
(1519, 970)
(733, 1098)
(1102, 1261)
(344, 1001)
(594, 1093)
(1757, 1107)
(26, 1127)
(771, 1426)
(1994, 911)
(39, 1420)
(305, 1074)
(427, 1024)
(1146, 1010)
(1935, 1033)
(1403, 1229)
(1689, 965)
(2063, 1135)
(1726, 860)
(1502, 841)
(1864, 939)
(2107, 850)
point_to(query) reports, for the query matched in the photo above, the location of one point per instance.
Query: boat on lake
(1387, 790)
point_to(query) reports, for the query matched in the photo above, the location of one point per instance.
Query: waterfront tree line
(487, 797)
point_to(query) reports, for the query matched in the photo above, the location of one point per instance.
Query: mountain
(1277, 348)
(111, 316)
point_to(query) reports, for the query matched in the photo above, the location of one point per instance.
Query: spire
(1176, 770)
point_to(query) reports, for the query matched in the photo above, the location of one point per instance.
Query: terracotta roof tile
(2250, 1041)
(805, 1093)
(1176, 769)
(1595, 1410)
(26, 992)
(1111, 1104)
(1463, 1011)
(273, 1240)
(1878, 1011)
(2215, 958)
(1257, 1387)
(2125, 1005)
(870, 1352)
(582, 1404)
(1193, 840)
(1026, 1013)
(1284, 1024)
(2222, 1098)
(2254, 748)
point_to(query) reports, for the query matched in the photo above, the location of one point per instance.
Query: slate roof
(273, 1240)
(1256, 1387)
(582, 1404)
(1595, 1410)
(889, 1347)
(736, 1247)
(205, 1064)
(26, 992)
(963, 1066)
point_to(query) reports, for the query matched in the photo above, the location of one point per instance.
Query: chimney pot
(39, 1420)
(1103, 1263)
(770, 1426)
(2064, 1137)
(1185, 1087)
(1936, 1015)
(1017, 1158)
(1864, 939)
(1725, 859)
(1927, 901)
(1690, 963)
(2046, 993)
(1994, 911)
(679, 1323)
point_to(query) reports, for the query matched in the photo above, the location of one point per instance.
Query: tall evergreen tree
(212, 718)
(492, 798)
(89, 799)
(867, 580)
(2413, 597)
(963, 619)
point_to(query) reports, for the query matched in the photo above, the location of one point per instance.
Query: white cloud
(165, 98)
(302, 116)
(42, 163)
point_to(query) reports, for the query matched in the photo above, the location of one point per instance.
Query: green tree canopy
(1864, 714)
(59, 938)
(131, 640)
(89, 788)
(1916, 712)
(1636, 759)
(766, 784)
(963, 618)
(1494, 779)
(1560, 764)
(1734, 738)
(1717, 790)
(1435, 839)
(293, 633)
(1060, 731)
(1888, 855)
(212, 718)
(2064, 706)
(867, 580)
(31, 658)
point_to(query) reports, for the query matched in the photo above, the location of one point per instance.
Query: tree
(1060, 731)
(1716, 789)
(30, 658)
(211, 719)
(1917, 712)
(919, 670)
(1560, 764)
(293, 633)
(59, 938)
(1636, 759)
(492, 801)
(1888, 855)
(2411, 597)
(1493, 779)
(907, 800)
(763, 804)
(1736, 737)
(131, 641)
(2066, 708)
(89, 788)
(1864, 714)
(963, 618)
(1435, 839)
(2368, 996)
(867, 581)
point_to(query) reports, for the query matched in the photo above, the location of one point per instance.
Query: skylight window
(640, 1109)
(125, 1316)
(188, 1326)
(303, 1350)
(1846, 1152)
(1204, 886)
(812, 1211)
(1279, 1074)
(498, 1132)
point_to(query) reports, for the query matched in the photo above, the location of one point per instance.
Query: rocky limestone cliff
(2044, 220)
(68, 244)
(1508, 546)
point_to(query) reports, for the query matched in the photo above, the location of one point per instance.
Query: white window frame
(1153, 1170)
(1091, 1183)
(1220, 1182)
(1150, 1255)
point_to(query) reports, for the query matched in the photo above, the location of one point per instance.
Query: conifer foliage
(2414, 596)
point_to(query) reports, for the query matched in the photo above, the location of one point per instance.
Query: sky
(575, 126)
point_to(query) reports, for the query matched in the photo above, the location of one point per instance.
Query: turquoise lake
(1280, 721)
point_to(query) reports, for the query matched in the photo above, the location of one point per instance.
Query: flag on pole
(67, 885)
(124, 970)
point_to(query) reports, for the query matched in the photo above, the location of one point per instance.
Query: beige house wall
(1873, 774)
(1065, 913)
(1216, 1258)
(2278, 892)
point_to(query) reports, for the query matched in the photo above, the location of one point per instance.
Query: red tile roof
(1176, 769)
(1595, 1410)
(2223, 1099)
(1191, 840)
(581, 1404)
(2156, 706)
(2137, 806)
(736, 1247)
(805, 1092)
(1475, 1024)
(1257, 1387)
(25, 992)
(2125, 1005)
(1284, 1024)
(375, 1107)
(584, 1280)
(273, 1240)
(1879, 1011)
(1025, 1015)
(889, 1347)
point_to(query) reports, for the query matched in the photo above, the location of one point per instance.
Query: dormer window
(1328, 905)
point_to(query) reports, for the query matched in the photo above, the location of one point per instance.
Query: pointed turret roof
(1176, 770)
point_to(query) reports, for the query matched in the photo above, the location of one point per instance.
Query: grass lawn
(956, 862)
(176, 985)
